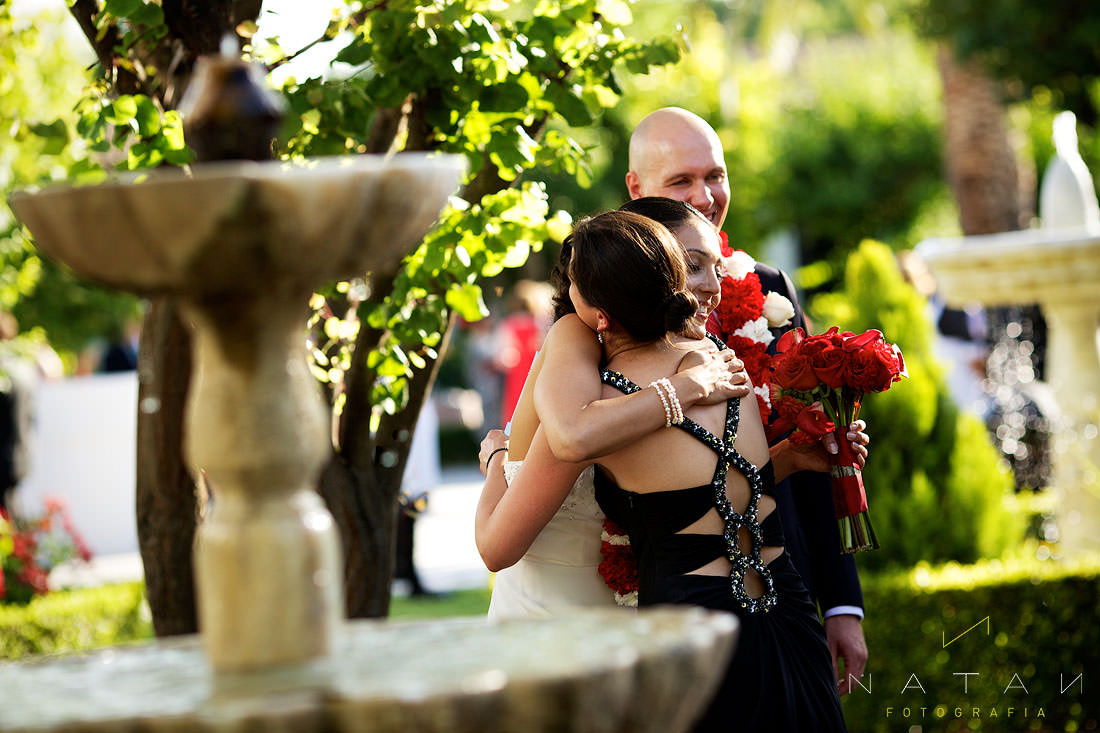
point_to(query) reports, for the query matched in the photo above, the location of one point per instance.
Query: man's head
(676, 154)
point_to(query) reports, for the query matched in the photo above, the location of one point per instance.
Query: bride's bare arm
(509, 518)
(579, 426)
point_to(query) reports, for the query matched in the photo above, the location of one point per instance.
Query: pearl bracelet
(657, 386)
(674, 401)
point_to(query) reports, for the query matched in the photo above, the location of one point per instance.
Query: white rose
(778, 310)
(756, 331)
(738, 264)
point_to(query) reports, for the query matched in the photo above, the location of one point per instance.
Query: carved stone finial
(229, 112)
(1067, 197)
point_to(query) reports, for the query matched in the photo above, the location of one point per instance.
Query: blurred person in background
(18, 375)
(519, 337)
(481, 370)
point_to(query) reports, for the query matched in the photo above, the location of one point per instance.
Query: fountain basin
(1017, 268)
(236, 227)
(594, 670)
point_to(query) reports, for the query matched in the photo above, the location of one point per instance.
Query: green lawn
(86, 618)
(459, 603)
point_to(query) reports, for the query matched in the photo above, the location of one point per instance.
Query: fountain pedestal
(242, 246)
(1058, 268)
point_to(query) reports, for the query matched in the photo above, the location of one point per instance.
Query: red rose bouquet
(818, 383)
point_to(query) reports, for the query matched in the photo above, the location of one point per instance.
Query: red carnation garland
(619, 568)
(818, 384)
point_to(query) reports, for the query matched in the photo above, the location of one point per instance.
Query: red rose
(793, 370)
(855, 343)
(831, 366)
(814, 345)
(872, 369)
(902, 371)
(789, 340)
(813, 421)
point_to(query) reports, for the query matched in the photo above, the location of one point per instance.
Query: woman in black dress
(697, 507)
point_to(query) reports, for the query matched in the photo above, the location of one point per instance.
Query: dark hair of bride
(632, 268)
(669, 212)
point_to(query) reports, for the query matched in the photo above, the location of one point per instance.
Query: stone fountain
(242, 245)
(1058, 267)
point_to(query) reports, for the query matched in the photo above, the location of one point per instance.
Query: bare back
(672, 459)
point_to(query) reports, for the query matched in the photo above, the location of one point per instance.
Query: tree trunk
(167, 502)
(361, 484)
(981, 165)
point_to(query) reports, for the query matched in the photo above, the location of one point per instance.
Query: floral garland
(619, 569)
(743, 320)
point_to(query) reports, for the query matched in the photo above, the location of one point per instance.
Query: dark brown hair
(632, 268)
(669, 212)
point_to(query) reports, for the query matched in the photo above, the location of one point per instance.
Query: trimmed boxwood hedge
(74, 620)
(996, 646)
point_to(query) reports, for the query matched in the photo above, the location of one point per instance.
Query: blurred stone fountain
(1058, 267)
(242, 245)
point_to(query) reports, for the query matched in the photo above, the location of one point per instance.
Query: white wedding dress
(561, 569)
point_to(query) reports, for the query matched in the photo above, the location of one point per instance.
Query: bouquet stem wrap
(850, 500)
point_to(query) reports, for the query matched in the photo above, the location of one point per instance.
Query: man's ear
(633, 185)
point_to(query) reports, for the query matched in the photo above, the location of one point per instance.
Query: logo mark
(947, 643)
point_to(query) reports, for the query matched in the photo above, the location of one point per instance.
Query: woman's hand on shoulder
(493, 441)
(715, 376)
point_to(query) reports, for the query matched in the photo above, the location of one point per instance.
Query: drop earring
(599, 336)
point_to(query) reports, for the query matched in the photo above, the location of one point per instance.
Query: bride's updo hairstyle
(632, 268)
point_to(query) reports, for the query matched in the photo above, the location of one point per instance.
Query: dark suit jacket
(805, 502)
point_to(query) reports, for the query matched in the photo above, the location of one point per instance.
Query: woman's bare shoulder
(570, 333)
(694, 351)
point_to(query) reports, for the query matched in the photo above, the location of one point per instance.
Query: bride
(548, 561)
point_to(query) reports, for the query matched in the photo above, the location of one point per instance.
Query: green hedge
(1026, 628)
(74, 620)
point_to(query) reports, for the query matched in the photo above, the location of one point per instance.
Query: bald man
(676, 154)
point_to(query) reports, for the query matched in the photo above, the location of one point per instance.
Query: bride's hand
(493, 440)
(718, 376)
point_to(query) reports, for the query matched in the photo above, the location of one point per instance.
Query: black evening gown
(781, 675)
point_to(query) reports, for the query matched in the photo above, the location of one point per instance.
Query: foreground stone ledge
(596, 670)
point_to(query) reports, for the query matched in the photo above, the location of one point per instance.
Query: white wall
(84, 450)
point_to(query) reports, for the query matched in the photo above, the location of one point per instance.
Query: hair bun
(678, 308)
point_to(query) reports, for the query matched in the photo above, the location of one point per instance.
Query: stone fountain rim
(253, 170)
(216, 700)
(1021, 244)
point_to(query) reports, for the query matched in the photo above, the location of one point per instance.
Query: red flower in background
(31, 547)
